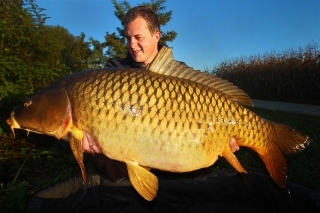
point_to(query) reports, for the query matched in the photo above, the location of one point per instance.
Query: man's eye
(139, 38)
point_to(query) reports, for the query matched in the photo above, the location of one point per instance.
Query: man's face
(141, 44)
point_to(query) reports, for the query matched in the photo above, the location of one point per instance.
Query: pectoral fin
(142, 180)
(77, 151)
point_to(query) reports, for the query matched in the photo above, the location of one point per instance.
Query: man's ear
(157, 36)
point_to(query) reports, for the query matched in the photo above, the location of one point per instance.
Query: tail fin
(286, 141)
(290, 141)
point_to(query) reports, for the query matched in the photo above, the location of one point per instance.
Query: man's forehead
(137, 26)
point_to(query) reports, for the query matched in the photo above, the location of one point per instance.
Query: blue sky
(209, 31)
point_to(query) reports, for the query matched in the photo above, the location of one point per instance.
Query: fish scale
(167, 116)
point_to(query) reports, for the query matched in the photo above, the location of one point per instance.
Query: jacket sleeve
(110, 64)
(124, 62)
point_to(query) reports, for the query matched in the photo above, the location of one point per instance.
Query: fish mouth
(11, 121)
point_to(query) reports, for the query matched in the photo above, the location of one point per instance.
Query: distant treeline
(290, 76)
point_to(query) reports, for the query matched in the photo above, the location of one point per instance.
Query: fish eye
(27, 103)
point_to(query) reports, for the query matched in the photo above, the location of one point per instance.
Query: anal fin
(142, 180)
(233, 160)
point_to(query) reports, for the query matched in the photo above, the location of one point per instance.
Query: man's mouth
(135, 52)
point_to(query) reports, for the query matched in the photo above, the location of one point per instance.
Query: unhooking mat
(218, 191)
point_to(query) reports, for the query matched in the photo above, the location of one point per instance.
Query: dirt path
(289, 107)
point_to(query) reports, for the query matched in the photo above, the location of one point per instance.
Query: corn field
(291, 76)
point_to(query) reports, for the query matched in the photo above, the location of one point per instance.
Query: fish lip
(11, 121)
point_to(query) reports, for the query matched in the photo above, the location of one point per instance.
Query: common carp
(167, 117)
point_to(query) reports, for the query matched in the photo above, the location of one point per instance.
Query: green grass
(32, 162)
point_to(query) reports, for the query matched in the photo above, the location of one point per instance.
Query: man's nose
(132, 42)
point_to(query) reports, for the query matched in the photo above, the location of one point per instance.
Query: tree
(115, 42)
(96, 57)
(32, 54)
(16, 44)
(38, 17)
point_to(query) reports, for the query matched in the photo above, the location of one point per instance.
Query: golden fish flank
(169, 117)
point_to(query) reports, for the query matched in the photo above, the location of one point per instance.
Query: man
(142, 30)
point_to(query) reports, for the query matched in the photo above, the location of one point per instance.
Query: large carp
(168, 117)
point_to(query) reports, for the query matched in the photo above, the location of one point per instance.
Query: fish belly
(161, 149)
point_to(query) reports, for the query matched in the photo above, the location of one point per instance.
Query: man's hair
(147, 14)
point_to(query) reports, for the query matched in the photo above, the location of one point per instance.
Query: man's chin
(138, 59)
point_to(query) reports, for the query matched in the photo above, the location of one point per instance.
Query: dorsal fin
(164, 64)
